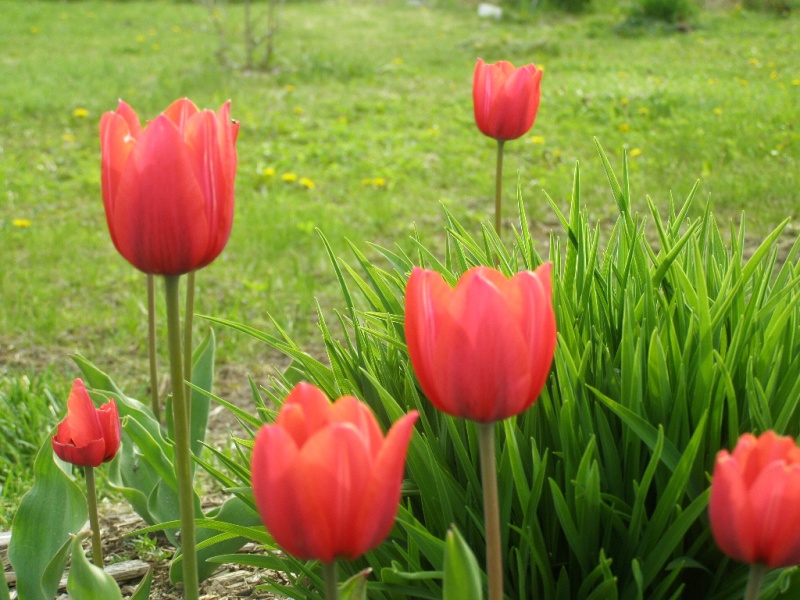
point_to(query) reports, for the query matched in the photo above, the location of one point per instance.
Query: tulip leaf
(133, 477)
(54, 508)
(355, 588)
(462, 575)
(203, 378)
(233, 511)
(142, 591)
(4, 595)
(87, 581)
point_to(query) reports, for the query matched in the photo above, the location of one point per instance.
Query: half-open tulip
(483, 350)
(505, 99)
(168, 188)
(755, 501)
(88, 436)
(326, 481)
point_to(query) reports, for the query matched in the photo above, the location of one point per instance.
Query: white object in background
(489, 10)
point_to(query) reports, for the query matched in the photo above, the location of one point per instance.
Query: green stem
(188, 317)
(757, 572)
(329, 571)
(491, 511)
(498, 189)
(182, 454)
(151, 339)
(94, 519)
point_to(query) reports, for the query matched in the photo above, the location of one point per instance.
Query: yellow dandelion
(737, 6)
(624, 128)
(268, 172)
(742, 82)
(624, 102)
(342, 120)
(63, 16)
(397, 61)
(298, 110)
(289, 88)
(141, 38)
(21, 223)
(307, 183)
(773, 75)
(176, 29)
(537, 139)
(379, 182)
(713, 81)
(68, 137)
(80, 113)
(718, 111)
(35, 29)
(644, 111)
(155, 47)
(795, 81)
(635, 152)
(289, 177)
(753, 61)
(556, 154)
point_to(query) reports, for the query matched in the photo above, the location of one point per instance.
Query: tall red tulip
(483, 350)
(88, 436)
(168, 188)
(326, 481)
(755, 501)
(505, 99)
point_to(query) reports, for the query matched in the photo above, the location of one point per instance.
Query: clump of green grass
(29, 409)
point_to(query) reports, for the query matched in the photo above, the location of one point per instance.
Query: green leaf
(202, 380)
(355, 588)
(87, 581)
(462, 575)
(54, 508)
(142, 591)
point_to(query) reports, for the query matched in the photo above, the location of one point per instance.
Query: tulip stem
(757, 571)
(182, 454)
(498, 189)
(151, 339)
(329, 570)
(94, 519)
(491, 510)
(188, 317)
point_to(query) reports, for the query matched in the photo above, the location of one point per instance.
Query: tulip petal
(426, 291)
(108, 415)
(729, 510)
(116, 142)
(348, 409)
(478, 353)
(87, 455)
(84, 424)
(382, 495)
(305, 411)
(330, 478)
(775, 501)
(180, 111)
(159, 218)
(272, 464)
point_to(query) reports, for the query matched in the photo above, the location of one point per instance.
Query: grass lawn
(362, 130)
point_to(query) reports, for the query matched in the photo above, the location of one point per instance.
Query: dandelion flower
(80, 113)
(141, 38)
(176, 29)
(624, 128)
(718, 111)
(268, 172)
(773, 75)
(644, 111)
(397, 61)
(624, 102)
(635, 152)
(298, 110)
(795, 81)
(68, 137)
(289, 88)
(35, 29)
(537, 139)
(21, 223)
(753, 61)
(307, 183)
(289, 177)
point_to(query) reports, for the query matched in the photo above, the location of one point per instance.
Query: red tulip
(326, 481)
(755, 501)
(483, 350)
(87, 436)
(505, 99)
(168, 188)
